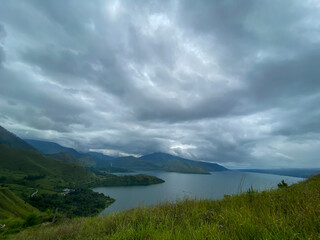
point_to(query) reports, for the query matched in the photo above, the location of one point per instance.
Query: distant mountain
(291, 172)
(91, 159)
(100, 156)
(165, 162)
(51, 147)
(168, 160)
(154, 161)
(9, 139)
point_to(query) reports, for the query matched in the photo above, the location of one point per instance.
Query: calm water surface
(179, 185)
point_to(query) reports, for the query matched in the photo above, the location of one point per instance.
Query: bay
(193, 186)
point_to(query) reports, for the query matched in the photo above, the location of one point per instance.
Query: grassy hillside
(287, 213)
(51, 147)
(65, 157)
(11, 206)
(21, 167)
(90, 159)
(9, 139)
(23, 170)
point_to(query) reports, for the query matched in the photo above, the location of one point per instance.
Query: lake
(179, 186)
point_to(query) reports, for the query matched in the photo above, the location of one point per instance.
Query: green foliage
(65, 157)
(127, 180)
(251, 190)
(80, 202)
(282, 184)
(287, 213)
(19, 166)
(115, 170)
(31, 220)
(34, 177)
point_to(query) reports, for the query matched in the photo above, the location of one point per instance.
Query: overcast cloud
(233, 82)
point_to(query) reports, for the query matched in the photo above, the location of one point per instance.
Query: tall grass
(287, 213)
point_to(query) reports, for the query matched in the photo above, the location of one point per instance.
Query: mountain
(21, 164)
(9, 139)
(90, 159)
(51, 147)
(165, 162)
(22, 169)
(30, 169)
(154, 161)
(171, 161)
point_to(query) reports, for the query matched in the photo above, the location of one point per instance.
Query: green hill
(65, 157)
(90, 159)
(22, 167)
(9, 139)
(19, 167)
(11, 206)
(287, 213)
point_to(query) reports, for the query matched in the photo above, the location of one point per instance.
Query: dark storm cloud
(224, 81)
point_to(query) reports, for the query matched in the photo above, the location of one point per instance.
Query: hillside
(9, 139)
(51, 147)
(288, 213)
(11, 206)
(65, 157)
(40, 180)
(90, 159)
(22, 167)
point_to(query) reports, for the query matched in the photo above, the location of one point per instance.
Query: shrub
(31, 219)
(282, 184)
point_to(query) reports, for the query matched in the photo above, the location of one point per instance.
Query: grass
(287, 213)
(13, 206)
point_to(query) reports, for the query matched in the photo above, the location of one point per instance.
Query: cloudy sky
(233, 82)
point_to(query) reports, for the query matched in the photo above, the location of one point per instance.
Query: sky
(232, 82)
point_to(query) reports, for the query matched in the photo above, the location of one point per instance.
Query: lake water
(179, 186)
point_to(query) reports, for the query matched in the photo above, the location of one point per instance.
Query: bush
(31, 219)
(282, 184)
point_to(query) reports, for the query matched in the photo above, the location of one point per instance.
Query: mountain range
(155, 161)
(22, 166)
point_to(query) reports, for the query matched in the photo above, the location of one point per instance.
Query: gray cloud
(234, 83)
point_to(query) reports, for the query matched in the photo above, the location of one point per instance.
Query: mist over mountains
(154, 161)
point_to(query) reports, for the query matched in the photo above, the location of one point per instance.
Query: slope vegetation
(288, 213)
(27, 168)
(11, 206)
(89, 159)
(9, 139)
